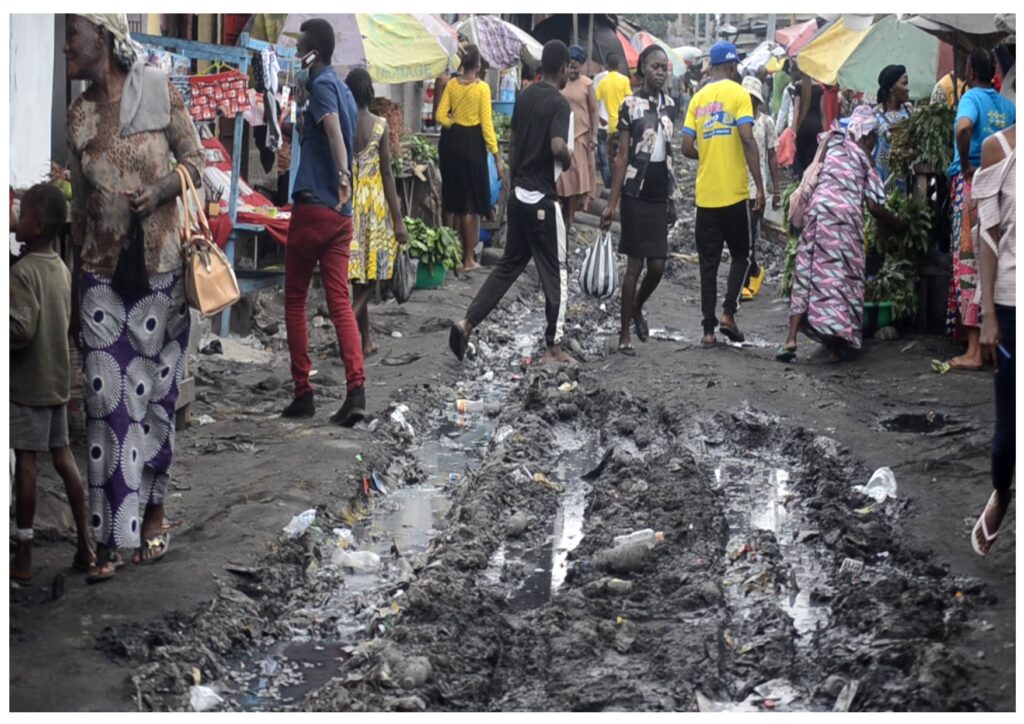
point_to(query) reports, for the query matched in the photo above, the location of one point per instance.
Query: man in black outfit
(538, 151)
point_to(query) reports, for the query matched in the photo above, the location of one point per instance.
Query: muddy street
(466, 561)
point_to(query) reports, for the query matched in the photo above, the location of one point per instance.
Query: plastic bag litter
(300, 523)
(403, 280)
(357, 561)
(344, 538)
(203, 698)
(398, 417)
(882, 485)
(599, 275)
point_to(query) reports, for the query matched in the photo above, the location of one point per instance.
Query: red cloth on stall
(217, 156)
(831, 103)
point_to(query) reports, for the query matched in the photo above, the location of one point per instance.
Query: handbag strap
(196, 221)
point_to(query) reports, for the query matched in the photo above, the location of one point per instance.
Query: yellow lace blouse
(468, 105)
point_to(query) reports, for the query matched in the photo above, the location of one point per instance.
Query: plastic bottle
(623, 558)
(466, 406)
(300, 523)
(647, 536)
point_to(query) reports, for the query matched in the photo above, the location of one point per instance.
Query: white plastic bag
(599, 276)
(203, 698)
(299, 523)
(357, 561)
(882, 485)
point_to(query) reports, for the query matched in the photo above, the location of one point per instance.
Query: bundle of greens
(792, 242)
(422, 150)
(433, 246)
(910, 244)
(502, 126)
(895, 283)
(924, 138)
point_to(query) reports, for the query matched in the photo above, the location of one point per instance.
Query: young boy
(40, 371)
(767, 142)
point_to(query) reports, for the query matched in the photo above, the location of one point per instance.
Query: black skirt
(465, 181)
(645, 219)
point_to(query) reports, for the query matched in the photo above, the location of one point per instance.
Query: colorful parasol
(501, 44)
(643, 40)
(394, 48)
(796, 36)
(853, 58)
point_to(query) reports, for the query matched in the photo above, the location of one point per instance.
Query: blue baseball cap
(723, 52)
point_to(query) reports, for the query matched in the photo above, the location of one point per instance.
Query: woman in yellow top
(465, 112)
(378, 228)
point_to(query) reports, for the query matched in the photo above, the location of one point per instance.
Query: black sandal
(627, 349)
(731, 331)
(458, 341)
(104, 558)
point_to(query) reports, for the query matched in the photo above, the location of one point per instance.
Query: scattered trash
(647, 537)
(205, 420)
(542, 479)
(517, 524)
(319, 321)
(300, 523)
(398, 417)
(907, 348)
(414, 672)
(401, 360)
(454, 477)
(396, 334)
(940, 366)
(567, 387)
(491, 409)
(622, 559)
(846, 696)
(356, 561)
(378, 484)
(851, 567)
(344, 538)
(882, 485)
(203, 698)
(503, 432)
(214, 347)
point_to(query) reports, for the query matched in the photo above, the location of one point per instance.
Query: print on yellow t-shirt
(713, 119)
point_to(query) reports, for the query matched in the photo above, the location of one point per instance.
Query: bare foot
(963, 362)
(369, 350)
(559, 355)
(21, 563)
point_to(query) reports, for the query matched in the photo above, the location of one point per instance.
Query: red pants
(319, 234)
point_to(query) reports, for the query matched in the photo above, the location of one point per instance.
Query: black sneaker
(353, 410)
(301, 406)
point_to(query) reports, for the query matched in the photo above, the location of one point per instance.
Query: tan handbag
(210, 282)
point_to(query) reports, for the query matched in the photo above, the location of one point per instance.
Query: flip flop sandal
(115, 561)
(159, 543)
(731, 331)
(965, 368)
(982, 525)
(643, 332)
(627, 349)
(784, 354)
(458, 342)
(77, 565)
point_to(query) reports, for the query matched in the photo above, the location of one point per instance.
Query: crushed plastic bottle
(203, 698)
(488, 408)
(647, 536)
(356, 561)
(300, 523)
(398, 417)
(882, 485)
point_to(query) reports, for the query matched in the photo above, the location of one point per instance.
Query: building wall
(31, 101)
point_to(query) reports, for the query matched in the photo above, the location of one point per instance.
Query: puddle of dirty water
(286, 674)
(919, 422)
(758, 497)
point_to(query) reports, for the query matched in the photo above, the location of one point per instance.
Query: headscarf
(126, 50)
(145, 98)
(887, 79)
(862, 122)
(577, 53)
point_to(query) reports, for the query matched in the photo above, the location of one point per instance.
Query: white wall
(31, 101)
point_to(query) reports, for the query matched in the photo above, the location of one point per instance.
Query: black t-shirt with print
(540, 114)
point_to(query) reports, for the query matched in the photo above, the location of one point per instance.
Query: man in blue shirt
(321, 225)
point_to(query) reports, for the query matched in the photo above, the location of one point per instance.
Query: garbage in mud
(398, 417)
(882, 485)
(851, 567)
(466, 406)
(517, 524)
(846, 697)
(542, 480)
(378, 484)
(356, 561)
(647, 537)
(941, 367)
(344, 538)
(214, 347)
(300, 523)
(567, 387)
(623, 558)
(203, 698)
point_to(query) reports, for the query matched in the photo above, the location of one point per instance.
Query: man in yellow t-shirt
(612, 91)
(718, 132)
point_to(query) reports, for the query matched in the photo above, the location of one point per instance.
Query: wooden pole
(575, 29)
(590, 50)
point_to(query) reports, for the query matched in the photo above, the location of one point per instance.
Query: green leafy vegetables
(434, 246)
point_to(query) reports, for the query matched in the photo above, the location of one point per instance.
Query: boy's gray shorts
(39, 429)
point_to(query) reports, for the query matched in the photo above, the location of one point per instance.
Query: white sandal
(982, 525)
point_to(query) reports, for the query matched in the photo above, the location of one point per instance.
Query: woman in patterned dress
(827, 301)
(378, 228)
(893, 107)
(125, 135)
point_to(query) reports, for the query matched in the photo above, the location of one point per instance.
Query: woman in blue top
(982, 112)
(893, 107)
